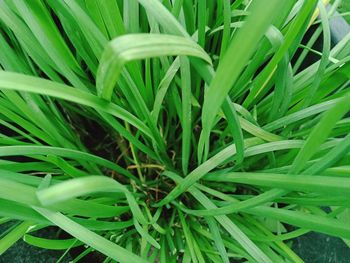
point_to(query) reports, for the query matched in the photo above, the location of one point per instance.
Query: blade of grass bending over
(82, 186)
(140, 46)
(17, 191)
(233, 62)
(19, 211)
(90, 238)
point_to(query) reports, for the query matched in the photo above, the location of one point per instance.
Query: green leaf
(233, 63)
(87, 185)
(139, 46)
(306, 183)
(90, 238)
(13, 236)
(54, 244)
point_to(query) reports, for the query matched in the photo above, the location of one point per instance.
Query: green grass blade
(13, 236)
(90, 238)
(140, 46)
(186, 112)
(232, 63)
(58, 244)
(87, 185)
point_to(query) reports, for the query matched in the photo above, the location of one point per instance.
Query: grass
(345, 8)
(165, 131)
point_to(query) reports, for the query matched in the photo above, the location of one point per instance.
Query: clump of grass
(172, 131)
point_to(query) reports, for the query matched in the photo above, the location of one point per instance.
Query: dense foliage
(174, 130)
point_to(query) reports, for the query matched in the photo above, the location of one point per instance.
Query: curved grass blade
(140, 46)
(82, 186)
(19, 192)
